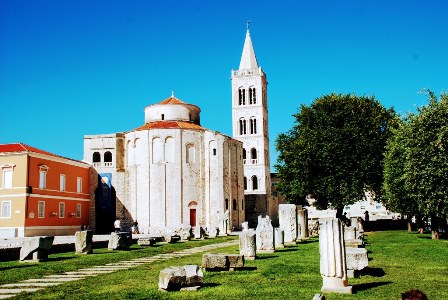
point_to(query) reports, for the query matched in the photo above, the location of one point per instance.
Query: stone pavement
(33, 285)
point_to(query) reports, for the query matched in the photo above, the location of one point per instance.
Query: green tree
(426, 167)
(334, 150)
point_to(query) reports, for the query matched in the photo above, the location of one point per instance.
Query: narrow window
(245, 183)
(62, 182)
(61, 209)
(252, 95)
(242, 96)
(108, 158)
(78, 210)
(242, 126)
(96, 158)
(7, 179)
(234, 206)
(244, 156)
(42, 179)
(214, 151)
(79, 185)
(6, 209)
(189, 117)
(253, 156)
(242, 204)
(254, 183)
(41, 209)
(227, 203)
(253, 126)
(163, 117)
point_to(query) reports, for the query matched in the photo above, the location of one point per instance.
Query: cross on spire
(248, 23)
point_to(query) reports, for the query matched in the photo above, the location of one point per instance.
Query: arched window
(254, 183)
(242, 127)
(108, 156)
(96, 157)
(253, 126)
(253, 156)
(227, 203)
(190, 153)
(214, 151)
(234, 206)
(245, 183)
(162, 117)
(169, 149)
(252, 95)
(244, 156)
(242, 96)
(242, 204)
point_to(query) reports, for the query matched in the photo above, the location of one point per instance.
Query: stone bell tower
(250, 125)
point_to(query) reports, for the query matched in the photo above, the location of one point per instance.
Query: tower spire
(248, 58)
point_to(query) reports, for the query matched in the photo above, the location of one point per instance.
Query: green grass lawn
(399, 262)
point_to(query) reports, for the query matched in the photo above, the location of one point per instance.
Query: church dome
(172, 109)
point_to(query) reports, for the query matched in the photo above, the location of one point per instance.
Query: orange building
(41, 193)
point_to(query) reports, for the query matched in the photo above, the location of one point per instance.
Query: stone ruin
(357, 260)
(302, 220)
(279, 238)
(217, 261)
(83, 242)
(333, 265)
(36, 249)
(287, 215)
(120, 241)
(265, 235)
(248, 246)
(188, 277)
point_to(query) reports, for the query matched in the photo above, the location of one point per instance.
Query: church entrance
(193, 217)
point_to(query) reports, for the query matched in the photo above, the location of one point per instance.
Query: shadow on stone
(369, 285)
(375, 272)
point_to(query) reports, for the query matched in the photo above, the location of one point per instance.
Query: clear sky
(72, 68)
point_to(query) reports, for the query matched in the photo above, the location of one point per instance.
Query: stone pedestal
(248, 245)
(218, 261)
(356, 259)
(119, 241)
(333, 266)
(287, 216)
(83, 242)
(146, 241)
(279, 238)
(302, 220)
(245, 226)
(189, 277)
(265, 235)
(349, 233)
(36, 249)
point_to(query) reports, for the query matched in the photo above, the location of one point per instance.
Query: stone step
(18, 291)
(54, 279)
(26, 284)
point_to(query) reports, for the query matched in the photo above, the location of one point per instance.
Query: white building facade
(167, 173)
(250, 126)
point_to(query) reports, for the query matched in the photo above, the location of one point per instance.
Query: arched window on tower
(253, 125)
(241, 96)
(252, 95)
(242, 127)
(244, 156)
(253, 156)
(254, 183)
(245, 183)
(96, 158)
(234, 204)
(108, 159)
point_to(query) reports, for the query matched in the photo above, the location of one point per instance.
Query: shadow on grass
(286, 249)
(267, 257)
(59, 258)
(247, 269)
(307, 241)
(210, 284)
(369, 285)
(18, 267)
(375, 272)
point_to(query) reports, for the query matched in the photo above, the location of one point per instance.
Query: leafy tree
(426, 167)
(334, 150)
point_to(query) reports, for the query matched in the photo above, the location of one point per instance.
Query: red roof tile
(169, 125)
(172, 100)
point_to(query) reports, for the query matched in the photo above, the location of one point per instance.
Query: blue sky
(71, 68)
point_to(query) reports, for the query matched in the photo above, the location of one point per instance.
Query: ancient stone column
(302, 220)
(287, 215)
(248, 245)
(83, 242)
(265, 235)
(333, 266)
(349, 233)
(279, 238)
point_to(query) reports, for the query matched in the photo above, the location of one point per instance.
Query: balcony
(102, 164)
(254, 161)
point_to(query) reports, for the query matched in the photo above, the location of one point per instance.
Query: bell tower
(250, 126)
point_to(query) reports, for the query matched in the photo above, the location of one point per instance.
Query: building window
(242, 204)
(227, 204)
(252, 95)
(61, 209)
(163, 117)
(242, 126)
(253, 156)
(41, 209)
(108, 159)
(214, 151)
(245, 183)
(244, 156)
(7, 179)
(253, 126)
(254, 183)
(242, 96)
(79, 185)
(62, 182)
(6, 209)
(78, 210)
(96, 158)
(234, 204)
(43, 169)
